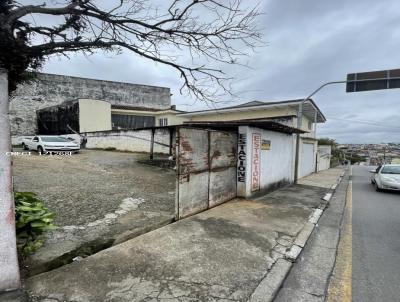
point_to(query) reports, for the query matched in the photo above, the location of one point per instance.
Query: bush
(32, 220)
(110, 149)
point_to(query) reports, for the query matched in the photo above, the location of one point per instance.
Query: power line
(372, 123)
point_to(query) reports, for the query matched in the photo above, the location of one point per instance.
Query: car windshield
(391, 170)
(54, 139)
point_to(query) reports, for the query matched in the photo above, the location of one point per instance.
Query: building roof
(266, 124)
(248, 104)
(230, 125)
(309, 108)
(137, 108)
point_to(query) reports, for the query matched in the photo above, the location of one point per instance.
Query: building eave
(320, 117)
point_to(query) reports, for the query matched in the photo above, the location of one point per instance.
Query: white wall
(172, 118)
(324, 162)
(9, 270)
(275, 165)
(308, 156)
(94, 115)
(324, 157)
(130, 140)
(307, 159)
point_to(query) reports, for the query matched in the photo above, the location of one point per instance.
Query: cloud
(309, 42)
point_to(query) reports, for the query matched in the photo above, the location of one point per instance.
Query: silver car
(386, 177)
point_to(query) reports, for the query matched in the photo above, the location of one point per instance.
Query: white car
(386, 177)
(47, 143)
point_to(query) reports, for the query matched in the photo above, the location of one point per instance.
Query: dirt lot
(100, 198)
(85, 187)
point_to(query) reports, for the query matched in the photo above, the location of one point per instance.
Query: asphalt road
(376, 241)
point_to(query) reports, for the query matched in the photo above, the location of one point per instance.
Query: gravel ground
(84, 187)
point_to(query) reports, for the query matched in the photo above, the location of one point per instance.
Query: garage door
(307, 159)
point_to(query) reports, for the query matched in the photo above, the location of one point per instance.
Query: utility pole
(9, 270)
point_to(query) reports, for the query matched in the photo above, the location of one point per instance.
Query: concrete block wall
(324, 163)
(130, 140)
(49, 90)
(261, 170)
(324, 157)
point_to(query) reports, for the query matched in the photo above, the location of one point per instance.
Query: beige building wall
(170, 115)
(172, 118)
(241, 115)
(133, 112)
(94, 115)
(255, 114)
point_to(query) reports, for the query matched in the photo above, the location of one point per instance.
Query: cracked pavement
(219, 255)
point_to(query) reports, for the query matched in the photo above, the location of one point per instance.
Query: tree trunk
(9, 270)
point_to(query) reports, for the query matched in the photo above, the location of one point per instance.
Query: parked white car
(386, 177)
(48, 143)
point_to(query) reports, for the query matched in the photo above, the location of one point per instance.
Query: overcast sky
(309, 42)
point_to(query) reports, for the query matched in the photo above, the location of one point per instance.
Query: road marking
(340, 285)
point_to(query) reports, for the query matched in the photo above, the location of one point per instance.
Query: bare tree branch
(190, 36)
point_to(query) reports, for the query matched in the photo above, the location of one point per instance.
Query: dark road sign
(373, 80)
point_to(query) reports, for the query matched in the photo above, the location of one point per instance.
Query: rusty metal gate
(206, 169)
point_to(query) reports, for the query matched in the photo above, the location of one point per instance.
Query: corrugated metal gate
(206, 163)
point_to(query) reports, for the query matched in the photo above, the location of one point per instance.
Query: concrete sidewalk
(309, 277)
(237, 251)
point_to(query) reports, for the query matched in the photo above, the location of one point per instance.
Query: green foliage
(32, 219)
(337, 154)
(356, 158)
(327, 142)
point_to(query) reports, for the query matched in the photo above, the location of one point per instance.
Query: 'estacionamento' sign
(255, 161)
(241, 173)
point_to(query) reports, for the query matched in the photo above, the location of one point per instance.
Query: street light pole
(300, 115)
(299, 124)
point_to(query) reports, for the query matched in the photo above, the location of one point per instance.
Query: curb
(305, 233)
(269, 286)
(272, 282)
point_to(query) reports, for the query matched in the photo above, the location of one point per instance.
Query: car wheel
(377, 189)
(40, 150)
(24, 147)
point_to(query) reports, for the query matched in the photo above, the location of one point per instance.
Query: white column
(9, 271)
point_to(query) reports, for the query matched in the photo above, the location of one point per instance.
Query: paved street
(376, 241)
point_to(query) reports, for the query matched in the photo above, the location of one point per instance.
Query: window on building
(121, 121)
(163, 122)
(309, 125)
